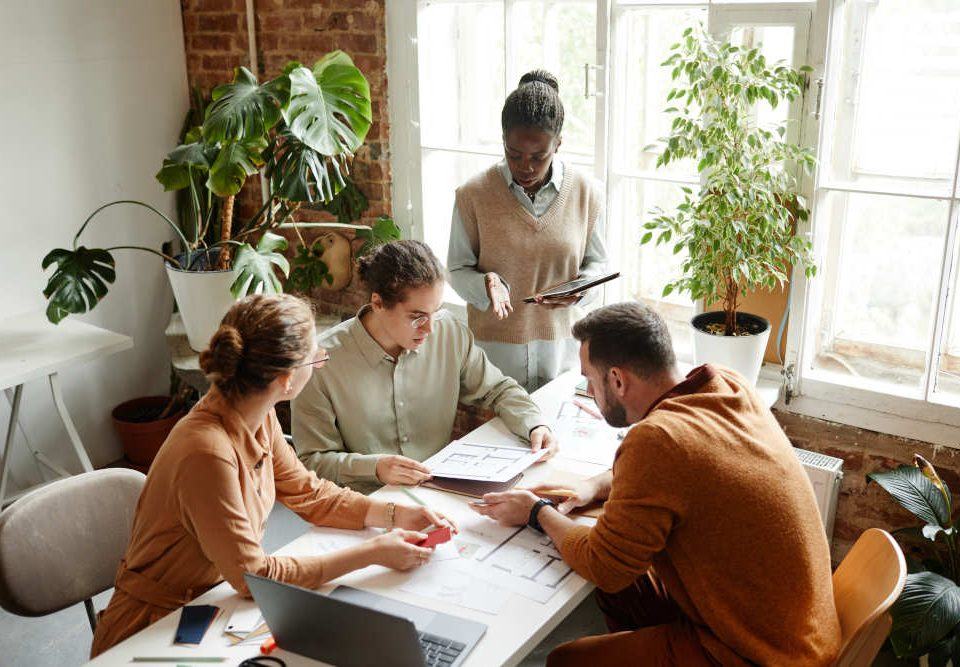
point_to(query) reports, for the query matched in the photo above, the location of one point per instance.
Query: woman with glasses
(519, 227)
(202, 512)
(388, 397)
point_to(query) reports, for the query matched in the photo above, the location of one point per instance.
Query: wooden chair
(865, 586)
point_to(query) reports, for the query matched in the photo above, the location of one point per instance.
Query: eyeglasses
(423, 319)
(322, 360)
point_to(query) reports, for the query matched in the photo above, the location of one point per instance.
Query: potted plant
(143, 424)
(300, 129)
(738, 227)
(926, 616)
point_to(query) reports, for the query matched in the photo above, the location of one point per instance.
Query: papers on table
(453, 582)
(485, 463)
(583, 437)
(245, 625)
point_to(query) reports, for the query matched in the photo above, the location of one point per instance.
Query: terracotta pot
(140, 434)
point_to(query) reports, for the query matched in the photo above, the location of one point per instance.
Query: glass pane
(461, 74)
(646, 269)
(560, 38)
(443, 173)
(639, 85)
(880, 281)
(895, 117)
(776, 44)
(947, 383)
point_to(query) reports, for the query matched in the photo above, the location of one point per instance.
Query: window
(882, 316)
(466, 55)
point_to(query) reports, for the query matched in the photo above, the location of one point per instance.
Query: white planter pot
(743, 354)
(203, 298)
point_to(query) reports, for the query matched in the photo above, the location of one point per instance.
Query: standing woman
(202, 513)
(519, 227)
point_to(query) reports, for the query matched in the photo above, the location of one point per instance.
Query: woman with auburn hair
(203, 510)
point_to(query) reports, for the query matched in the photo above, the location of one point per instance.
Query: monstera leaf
(255, 266)
(234, 163)
(244, 111)
(299, 173)
(329, 108)
(79, 281)
(182, 162)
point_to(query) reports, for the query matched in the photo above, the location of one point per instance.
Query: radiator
(825, 473)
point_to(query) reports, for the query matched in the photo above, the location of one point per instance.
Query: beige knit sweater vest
(529, 253)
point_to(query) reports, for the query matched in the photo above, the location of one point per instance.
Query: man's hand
(584, 493)
(543, 439)
(417, 517)
(499, 296)
(396, 469)
(511, 508)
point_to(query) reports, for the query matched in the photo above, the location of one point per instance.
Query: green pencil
(412, 496)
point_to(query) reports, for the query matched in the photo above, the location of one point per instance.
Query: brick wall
(216, 41)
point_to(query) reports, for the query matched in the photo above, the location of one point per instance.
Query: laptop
(353, 627)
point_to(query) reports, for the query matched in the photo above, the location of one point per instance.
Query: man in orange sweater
(710, 549)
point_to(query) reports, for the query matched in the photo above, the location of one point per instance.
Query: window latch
(586, 81)
(816, 104)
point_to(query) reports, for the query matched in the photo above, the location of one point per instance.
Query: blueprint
(488, 463)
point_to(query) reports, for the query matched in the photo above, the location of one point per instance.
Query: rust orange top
(202, 513)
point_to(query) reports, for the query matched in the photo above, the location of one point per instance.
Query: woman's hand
(499, 296)
(417, 517)
(543, 439)
(397, 550)
(558, 302)
(396, 469)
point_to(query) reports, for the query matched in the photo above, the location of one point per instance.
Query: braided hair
(534, 103)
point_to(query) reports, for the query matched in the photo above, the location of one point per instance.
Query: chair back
(865, 585)
(62, 543)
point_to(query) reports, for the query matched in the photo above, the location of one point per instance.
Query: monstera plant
(926, 616)
(299, 131)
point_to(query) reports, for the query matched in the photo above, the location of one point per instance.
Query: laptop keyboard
(439, 652)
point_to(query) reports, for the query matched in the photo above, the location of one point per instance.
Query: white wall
(94, 94)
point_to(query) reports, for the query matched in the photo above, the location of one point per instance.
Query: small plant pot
(140, 432)
(203, 298)
(743, 353)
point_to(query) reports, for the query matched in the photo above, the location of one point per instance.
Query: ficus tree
(739, 226)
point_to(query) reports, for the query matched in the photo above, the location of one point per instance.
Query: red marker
(268, 646)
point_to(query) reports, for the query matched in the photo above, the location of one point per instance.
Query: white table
(511, 634)
(32, 348)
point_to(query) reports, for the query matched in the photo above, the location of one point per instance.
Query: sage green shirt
(364, 404)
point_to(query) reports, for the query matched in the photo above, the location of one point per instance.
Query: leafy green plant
(738, 227)
(300, 129)
(926, 616)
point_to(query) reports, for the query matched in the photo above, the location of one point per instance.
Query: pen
(586, 408)
(181, 659)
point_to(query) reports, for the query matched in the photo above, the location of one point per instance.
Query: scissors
(263, 661)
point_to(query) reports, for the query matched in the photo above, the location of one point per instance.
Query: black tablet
(571, 287)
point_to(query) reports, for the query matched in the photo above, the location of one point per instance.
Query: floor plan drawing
(491, 463)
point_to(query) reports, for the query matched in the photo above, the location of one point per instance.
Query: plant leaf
(329, 108)
(181, 161)
(234, 163)
(915, 492)
(382, 231)
(255, 266)
(301, 174)
(309, 271)
(79, 281)
(244, 111)
(925, 612)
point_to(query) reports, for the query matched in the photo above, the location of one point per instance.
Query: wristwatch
(533, 521)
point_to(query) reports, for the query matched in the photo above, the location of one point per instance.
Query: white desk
(32, 348)
(511, 634)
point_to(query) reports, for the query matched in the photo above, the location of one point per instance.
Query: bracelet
(391, 509)
(533, 521)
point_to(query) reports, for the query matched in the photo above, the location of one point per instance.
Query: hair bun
(223, 355)
(541, 76)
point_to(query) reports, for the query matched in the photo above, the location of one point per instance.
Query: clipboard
(572, 287)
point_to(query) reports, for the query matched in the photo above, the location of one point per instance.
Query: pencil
(564, 493)
(586, 408)
(412, 496)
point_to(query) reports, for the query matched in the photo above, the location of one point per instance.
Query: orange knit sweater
(708, 492)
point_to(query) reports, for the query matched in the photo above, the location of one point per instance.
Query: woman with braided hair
(203, 509)
(524, 224)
